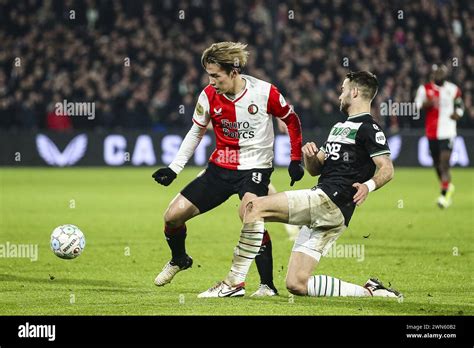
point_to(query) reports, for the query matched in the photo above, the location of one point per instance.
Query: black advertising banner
(135, 148)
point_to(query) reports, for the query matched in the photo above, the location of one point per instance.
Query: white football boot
(442, 202)
(446, 200)
(221, 289)
(170, 270)
(264, 290)
(377, 289)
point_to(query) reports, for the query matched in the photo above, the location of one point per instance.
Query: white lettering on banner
(458, 156)
(282, 150)
(200, 155)
(114, 149)
(73, 152)
(170, 145)
(143, 152)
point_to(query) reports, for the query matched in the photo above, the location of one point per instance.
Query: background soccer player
(240, 108)
(347, 163)
(443, 105)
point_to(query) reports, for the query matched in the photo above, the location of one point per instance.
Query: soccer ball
(67, 241)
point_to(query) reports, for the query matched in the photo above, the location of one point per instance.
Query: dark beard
(344, 109)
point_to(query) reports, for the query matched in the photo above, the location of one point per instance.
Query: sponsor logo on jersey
(344, 135)
(199, 109)
(218, 111)
(344, 131)
(380, 138)
(237, 130)
(252, 109)
(332, 151)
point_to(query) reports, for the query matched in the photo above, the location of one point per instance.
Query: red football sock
(444, 185)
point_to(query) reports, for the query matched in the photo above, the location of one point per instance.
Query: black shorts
(437, 146)
(217, 184)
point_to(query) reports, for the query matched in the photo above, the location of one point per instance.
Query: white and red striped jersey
(244, 127)
(438, 123)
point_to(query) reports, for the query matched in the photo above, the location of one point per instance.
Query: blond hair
(228, 55)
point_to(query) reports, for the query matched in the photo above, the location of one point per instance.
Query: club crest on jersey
(218, 111)
(252, 109)
(346, 132)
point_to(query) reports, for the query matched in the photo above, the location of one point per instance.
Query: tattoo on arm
(385, 170)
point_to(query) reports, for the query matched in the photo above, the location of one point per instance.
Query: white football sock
(244, 253)
(322, 285)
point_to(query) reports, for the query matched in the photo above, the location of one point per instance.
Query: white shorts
(321, 218)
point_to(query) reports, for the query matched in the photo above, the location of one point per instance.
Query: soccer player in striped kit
(354, 161)
(240, 108)
(443, 106)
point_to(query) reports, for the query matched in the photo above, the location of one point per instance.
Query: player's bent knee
(254, 207)
(171, 219)
(296, 287)
(297, 284)
(250, 208)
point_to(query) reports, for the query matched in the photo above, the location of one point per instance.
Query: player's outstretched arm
(313, 158)
(385, 170)
(384, 174)
(278, 107)
(295, 169)
(165, 176)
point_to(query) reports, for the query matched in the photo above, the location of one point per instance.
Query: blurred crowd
(139, 61)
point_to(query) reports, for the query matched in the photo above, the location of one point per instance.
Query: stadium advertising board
(134, 148)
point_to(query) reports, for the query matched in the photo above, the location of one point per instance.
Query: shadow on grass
(377, 306)
(62, 281)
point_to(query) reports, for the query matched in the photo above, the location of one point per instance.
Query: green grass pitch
(424, 252)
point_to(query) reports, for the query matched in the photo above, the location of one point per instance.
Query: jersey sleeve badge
(199, 110)
(380, 138)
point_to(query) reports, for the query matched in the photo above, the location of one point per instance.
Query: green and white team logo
(344, 133)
